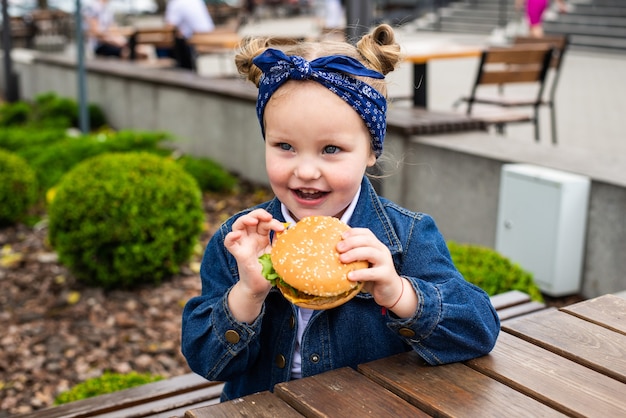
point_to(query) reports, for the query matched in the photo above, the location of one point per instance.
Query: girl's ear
(371, 159)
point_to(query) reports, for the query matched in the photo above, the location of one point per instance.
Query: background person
(535, 10)
(103, 35)
(322, 111)
(188, 17)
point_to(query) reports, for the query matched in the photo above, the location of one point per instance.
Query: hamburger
(304, 264)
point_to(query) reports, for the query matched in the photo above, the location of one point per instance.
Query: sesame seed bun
(306, 259)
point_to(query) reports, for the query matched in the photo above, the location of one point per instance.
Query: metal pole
(83, 113)
(359, 18)
(11, 93)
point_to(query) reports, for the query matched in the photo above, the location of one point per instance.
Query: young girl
(322, 111)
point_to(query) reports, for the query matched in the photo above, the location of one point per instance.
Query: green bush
(17, 113)
(18, 188)
(107, 383)
(120, 220)
(22, 138)
(48, 111)
(52, 110)
(491, 271)
(52, 161)
(210, 175)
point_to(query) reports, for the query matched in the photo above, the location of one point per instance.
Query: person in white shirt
(104, 38)
(188, 17)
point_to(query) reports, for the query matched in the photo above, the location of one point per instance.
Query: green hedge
(18, 188)
(491, 271)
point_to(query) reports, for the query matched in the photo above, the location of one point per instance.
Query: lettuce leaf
(267, 269)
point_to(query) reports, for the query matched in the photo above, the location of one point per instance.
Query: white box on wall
(542, 218)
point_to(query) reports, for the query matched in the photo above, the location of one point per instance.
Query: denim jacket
(454, 320)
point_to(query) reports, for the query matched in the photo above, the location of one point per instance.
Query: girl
(322, 112)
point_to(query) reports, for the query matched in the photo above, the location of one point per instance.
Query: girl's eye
(331, 149)
(284, 146)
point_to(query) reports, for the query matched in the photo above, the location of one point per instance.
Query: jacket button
(281, 361)
(314, 358)
(232, 336)
(406, 332)
(292, 322)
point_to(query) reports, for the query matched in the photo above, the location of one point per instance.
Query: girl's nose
(307, 170)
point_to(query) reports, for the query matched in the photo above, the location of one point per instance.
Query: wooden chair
(160, 37)
(559, 43)
(502, 66)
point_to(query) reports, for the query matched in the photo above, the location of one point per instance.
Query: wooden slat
(608, 311)
(343, 393)
(259, 405)
(124, 399)
(451, 390)
(508, 299)
(560, 383)
(581, 341)
(522, 54)
(519, 310)
(167, 405)
(525, 75)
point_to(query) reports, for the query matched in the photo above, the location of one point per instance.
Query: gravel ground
(57, 332)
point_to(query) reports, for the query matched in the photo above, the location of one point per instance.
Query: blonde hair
(377, 50)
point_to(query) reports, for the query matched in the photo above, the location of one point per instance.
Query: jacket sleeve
(454, 320)
(214, 343)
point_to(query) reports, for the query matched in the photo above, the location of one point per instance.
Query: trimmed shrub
(491, 271)
(22, 138)
(50, 111)
(107, 383)
(18, 188)
(120, 220)
(17, 113)
(52, 161)
(210, 175)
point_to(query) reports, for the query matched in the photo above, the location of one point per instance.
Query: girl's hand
(381, 279)
(248, 240)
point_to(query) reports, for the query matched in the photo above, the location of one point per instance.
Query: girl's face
(317, 149)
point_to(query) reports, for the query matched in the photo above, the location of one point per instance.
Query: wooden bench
(421, 121)
(170, 398)
(174, 396)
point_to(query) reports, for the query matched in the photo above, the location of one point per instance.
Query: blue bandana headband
(333, 72)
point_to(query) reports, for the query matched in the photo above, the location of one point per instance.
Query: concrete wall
(453, 177)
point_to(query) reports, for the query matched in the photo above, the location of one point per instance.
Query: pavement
(590, 101)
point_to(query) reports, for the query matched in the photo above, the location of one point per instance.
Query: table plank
(581, 341)
(608, 311)
(261, 405)
(452, 390)
(424, 52)
(343, 393)
(556, 381)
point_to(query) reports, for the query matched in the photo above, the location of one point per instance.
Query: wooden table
(214, 41)
(556, 362)
(420, 54)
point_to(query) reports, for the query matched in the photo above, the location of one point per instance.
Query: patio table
(556, 362)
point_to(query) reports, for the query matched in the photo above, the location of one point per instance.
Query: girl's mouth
(305, 194)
